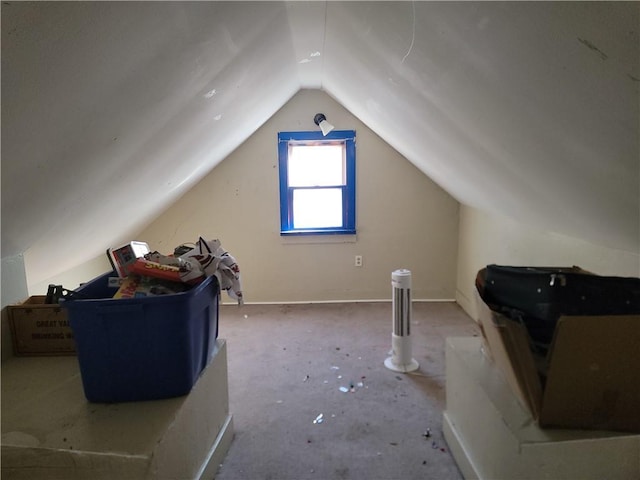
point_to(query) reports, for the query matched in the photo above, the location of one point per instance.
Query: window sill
(308, 238)
(325, 231)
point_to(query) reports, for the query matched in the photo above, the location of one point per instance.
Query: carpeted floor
(289, 367)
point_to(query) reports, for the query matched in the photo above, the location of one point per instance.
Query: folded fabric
(214, 260)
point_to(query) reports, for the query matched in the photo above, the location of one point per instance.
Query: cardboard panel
(509, 347)
(40, 329)
(594, 374)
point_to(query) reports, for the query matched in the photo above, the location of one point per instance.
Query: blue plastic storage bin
(142, 348)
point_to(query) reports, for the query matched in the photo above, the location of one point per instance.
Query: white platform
(492, 436)
(50, 431)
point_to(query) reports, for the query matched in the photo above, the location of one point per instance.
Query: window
(317, 182)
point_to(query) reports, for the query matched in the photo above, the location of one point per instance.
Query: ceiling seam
(413, 32)
(324, 41)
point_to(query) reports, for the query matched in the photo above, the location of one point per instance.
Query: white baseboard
(306, 302)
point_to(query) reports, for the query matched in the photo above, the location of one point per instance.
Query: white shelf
(492, 436)
(50, 431)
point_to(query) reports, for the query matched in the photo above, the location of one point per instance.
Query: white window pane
(316, 165)
(317, 208)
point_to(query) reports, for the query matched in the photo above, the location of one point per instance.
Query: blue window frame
(317, 182)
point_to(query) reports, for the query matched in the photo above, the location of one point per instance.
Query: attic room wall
(485, 239)
(14, 290)
(14, 280)
(73, 277)
(404, 220)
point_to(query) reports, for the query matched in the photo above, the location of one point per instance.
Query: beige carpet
(288, 368)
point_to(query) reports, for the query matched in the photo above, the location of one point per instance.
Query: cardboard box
(38, 328)
(593, 376)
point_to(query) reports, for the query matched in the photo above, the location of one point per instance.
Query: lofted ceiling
(113, 110)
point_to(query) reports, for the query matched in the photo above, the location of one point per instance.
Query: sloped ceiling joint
(307, 23)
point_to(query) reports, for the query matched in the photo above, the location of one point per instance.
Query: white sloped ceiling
(112, 110)
(528, 110)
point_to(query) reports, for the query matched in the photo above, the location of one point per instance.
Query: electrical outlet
(358, 261)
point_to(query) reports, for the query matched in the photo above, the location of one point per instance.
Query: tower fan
(401, 359)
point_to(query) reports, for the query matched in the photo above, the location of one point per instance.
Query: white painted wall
(485, 239)
(14, 290)
(404, 220)
(14, 280)
(73, 277)
(527, 110)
